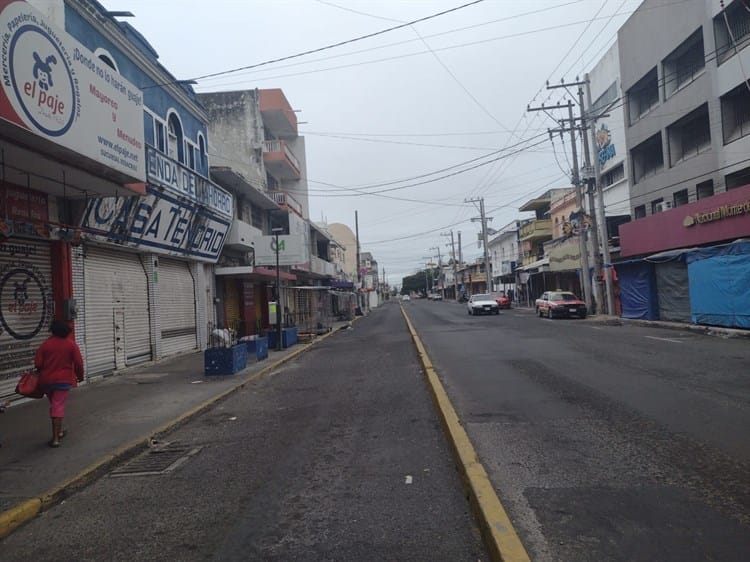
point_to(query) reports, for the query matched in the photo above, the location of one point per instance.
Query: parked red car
(502, 300)
(556, 304)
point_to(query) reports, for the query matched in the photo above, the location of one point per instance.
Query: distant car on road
(482, 304)
(556, 304)
(502, 300)
(405, 298)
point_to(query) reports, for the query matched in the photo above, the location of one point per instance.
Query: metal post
(597, 289)
(603, 235)
(583, 247)
(278, 290)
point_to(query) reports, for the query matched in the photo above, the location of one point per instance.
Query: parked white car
(482, 304)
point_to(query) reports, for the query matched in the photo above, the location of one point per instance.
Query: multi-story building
(111, 165)
(260, 157)
(64, 142)
(685, 76)
(685, 82)
(503, 251)
(611, 150)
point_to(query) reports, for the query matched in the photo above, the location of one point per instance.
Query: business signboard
(292, 251)
(158, 222)
(57, 89)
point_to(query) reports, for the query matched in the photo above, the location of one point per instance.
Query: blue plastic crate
(258, 346)
(225, 360)
(288, 338)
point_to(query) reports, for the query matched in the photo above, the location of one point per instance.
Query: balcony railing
(535, 230)
(276, 153)
(322, 267)
(283, 199)
(242, 236)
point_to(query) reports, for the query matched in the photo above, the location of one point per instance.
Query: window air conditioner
(663, 206)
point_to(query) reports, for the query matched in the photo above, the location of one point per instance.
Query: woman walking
(60, 367)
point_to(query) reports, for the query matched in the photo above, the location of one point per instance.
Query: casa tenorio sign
(54, 87)
(183, 182)
(158, 222)
(720, 213)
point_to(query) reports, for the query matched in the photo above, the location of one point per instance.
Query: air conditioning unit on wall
(663, 206)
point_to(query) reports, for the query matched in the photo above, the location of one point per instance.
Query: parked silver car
(482, 304)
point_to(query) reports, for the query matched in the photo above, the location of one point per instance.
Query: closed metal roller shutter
(231, 303)
(26, 307)
(118, 331)
(176, 307)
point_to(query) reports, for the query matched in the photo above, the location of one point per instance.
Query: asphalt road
(337, 456)
(616, 443)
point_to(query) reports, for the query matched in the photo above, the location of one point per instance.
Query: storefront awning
(257, 272)
(537, 265)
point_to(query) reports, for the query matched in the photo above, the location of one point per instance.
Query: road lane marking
(408, 479)
(664, 339)
(499, 535)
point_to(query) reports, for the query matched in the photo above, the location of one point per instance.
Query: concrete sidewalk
(107, 420)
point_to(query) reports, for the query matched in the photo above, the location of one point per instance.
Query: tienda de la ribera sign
(56, 88)
(720, 213)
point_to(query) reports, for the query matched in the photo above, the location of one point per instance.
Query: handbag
(28, 385)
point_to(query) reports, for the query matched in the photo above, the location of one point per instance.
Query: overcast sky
(387, 112)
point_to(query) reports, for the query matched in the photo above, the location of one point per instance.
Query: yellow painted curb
(500, 537)
(18, 515)
(25, 511)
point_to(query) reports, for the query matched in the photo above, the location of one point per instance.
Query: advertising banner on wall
(55, 88)
(292, 251)
(183, 214)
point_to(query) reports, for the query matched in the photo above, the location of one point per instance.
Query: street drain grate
(162, 460)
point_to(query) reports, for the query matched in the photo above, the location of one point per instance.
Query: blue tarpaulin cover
(720, 285)
(637, 283)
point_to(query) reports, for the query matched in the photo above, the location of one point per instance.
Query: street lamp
(276, 231)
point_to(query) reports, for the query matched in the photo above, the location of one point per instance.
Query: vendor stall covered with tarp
(637, 286)
(673, 296)
(720, 285)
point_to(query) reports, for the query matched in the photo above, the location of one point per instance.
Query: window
(172, 138)
(685, 63)
(202, 153)
(609, 96)
(689, 136)
(640, 211)
(738, 179)
(735, 113)
(611, 177)
(647, 157)
(106, 57)
(732, 32)
(681, 198)
(704, 189)
(160, 135)
(148, 128)
(643, 96)
(657, 205)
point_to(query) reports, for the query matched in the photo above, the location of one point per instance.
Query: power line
(340, 43)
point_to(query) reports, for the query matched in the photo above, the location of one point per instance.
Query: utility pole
(359, 280)
(455, 268)
(440, 272)
(577, 184)
(460, 250)
(590, 187)
(603, 235)
(483, 219)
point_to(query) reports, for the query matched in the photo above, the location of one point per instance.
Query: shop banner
(159, 223)
(59, 90)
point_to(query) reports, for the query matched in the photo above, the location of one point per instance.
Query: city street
(603, 442)
(339, 455)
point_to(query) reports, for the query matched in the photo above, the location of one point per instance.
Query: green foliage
(416, 283)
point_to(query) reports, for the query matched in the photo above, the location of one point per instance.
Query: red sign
(23, 204)
(714, 219)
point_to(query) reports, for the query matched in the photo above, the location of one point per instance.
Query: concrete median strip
(25, 511)
(500, 537)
